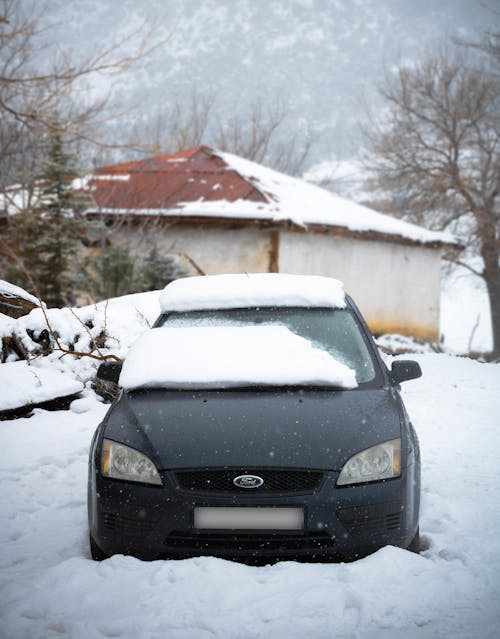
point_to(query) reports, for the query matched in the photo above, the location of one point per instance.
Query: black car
(255, 469)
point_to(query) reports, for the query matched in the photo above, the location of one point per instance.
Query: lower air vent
(365, 520)
(127, 525)
(226, 544)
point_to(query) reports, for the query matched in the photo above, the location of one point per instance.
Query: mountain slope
(320, 59)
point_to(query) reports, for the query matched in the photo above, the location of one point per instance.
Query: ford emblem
(248, 481)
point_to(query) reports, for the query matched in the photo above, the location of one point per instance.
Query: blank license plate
(234, 518)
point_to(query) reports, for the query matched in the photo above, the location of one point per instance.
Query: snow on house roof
(306, 204)
(251, 290)
(225, 357)
(204, 183)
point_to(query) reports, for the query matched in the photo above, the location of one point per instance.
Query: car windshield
(333, 330)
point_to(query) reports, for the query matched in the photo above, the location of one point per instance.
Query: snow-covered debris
(112, 326)
(15, 301)
(395, 344)
(11, 290)
(126, 317)
(24, 385)
(7, 326)
(223, 357)
(61, 370)
(78, 330)
(252, 290)
(35, 330)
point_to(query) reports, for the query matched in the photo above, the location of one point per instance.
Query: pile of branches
(30, 330)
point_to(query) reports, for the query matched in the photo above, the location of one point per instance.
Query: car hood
(254, 428)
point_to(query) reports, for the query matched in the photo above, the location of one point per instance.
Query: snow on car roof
(225, 357)
(252, 290)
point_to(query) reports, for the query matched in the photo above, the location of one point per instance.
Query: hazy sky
(319, 59)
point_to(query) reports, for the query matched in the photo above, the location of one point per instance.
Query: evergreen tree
(116, 271)
(159, 269)
(45, 241)
(112, 273)
(58, 246)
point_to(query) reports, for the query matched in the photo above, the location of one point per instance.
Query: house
(226, 214)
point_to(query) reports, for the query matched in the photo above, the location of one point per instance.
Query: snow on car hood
(225, 357)
(252, 290)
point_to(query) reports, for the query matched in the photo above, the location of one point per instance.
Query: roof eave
(132, 216)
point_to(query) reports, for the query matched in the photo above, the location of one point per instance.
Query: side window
(353, 347)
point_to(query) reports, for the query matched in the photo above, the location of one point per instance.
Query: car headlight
(122, 462)
(378, 462)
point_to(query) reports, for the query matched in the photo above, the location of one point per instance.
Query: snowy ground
(49, 587)
(465, 313)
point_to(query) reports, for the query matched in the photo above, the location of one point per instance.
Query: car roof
(252, 290)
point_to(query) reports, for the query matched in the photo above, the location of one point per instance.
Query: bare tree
(259, 133)
(181, 125)
(251, 136)
(438, 147)
(30, 94)
(491, 45)
(488, 45)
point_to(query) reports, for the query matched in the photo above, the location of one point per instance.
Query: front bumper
(153, 522)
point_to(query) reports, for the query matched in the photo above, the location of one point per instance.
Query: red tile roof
(201, 183)
(164, 181)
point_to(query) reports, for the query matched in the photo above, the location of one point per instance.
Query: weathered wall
(397, 287)
(215, 249)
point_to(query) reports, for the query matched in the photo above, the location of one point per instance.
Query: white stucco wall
(396, 287)
(214, 249)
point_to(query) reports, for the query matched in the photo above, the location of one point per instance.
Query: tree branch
(459, 262)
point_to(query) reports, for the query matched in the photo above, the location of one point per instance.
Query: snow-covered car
(255, 420)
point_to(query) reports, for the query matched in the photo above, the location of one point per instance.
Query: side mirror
(109, 371)
(404, 369)
(105, 383)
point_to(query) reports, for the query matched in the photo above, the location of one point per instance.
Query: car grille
(275, 480)
(229, 544)
(127, 525)
(365, 520)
